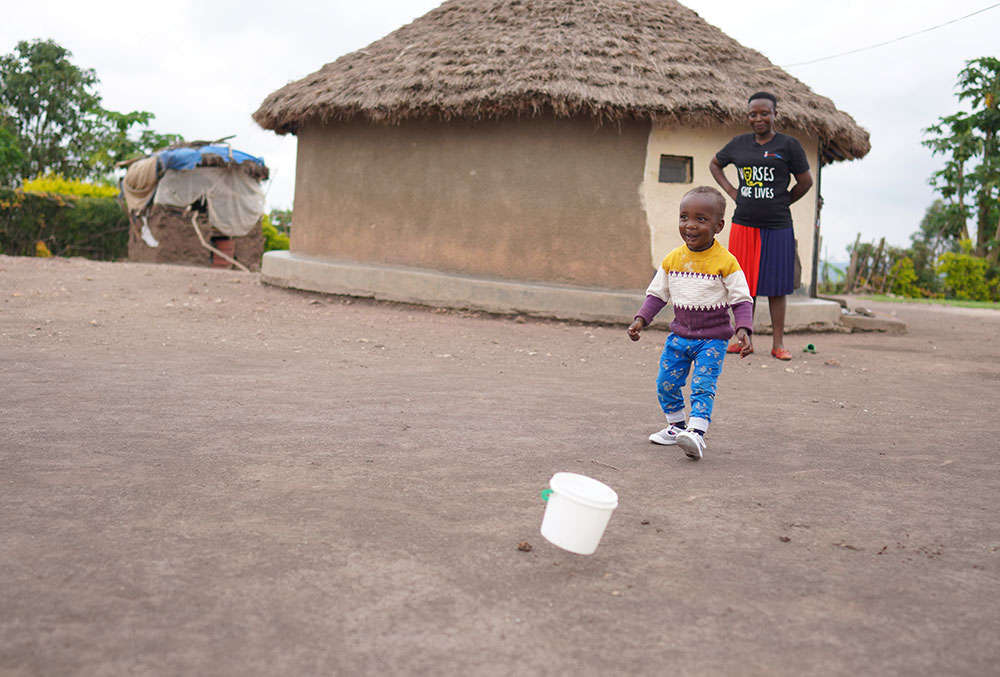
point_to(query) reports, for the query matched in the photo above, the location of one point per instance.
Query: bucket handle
(546, 493)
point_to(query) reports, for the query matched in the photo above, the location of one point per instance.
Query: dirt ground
(201, 475)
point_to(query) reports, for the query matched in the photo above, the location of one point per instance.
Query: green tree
(116, 143)
(52, 109)
(282, 220)
(939, 230)
(956, 142)
(10, 157)
(51, 103)
(970, 143)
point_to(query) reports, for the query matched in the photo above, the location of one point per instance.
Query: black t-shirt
(765, 172)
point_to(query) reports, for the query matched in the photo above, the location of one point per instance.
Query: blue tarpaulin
(189, 158)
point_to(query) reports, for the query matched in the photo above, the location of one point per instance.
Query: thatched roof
(611, 60)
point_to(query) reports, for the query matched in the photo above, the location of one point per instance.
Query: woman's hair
(764, 95)
(714, 194)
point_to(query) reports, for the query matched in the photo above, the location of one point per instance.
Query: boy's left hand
(743, 339)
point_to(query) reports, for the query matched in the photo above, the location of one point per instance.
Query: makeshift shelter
(198, 203)
(528, 142)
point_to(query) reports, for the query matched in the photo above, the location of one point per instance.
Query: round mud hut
(524, 155)
(196, 203)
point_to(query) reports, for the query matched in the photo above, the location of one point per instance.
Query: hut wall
(178, 243)
(530, 199)
(700, 144)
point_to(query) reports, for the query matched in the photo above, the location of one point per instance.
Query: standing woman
(762, 238)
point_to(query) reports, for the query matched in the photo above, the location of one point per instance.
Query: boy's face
(700, 221)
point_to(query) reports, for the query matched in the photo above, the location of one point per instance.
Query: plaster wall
(556, 201)
(661, 200)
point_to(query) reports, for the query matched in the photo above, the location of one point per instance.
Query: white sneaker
(666, 436)
(691, 443)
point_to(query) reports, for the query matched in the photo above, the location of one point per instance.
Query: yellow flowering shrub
(55, 184)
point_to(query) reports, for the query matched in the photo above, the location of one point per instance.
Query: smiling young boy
(704, 282)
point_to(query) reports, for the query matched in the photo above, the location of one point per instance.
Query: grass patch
(988, 305)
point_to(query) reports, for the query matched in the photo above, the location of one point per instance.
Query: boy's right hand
(746, 345)
(635, 328)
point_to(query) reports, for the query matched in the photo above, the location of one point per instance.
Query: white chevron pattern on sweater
(695, 291)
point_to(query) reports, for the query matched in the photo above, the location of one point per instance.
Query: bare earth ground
(201, 475)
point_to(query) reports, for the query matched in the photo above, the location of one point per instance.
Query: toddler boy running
(704, 282)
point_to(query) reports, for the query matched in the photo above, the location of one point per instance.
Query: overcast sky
(202, 68)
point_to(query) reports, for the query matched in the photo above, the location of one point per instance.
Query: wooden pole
(876, 263)
(813, 277)
(852, 268)
(206, 245)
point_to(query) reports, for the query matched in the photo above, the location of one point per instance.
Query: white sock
(676, 418)
(699, 424)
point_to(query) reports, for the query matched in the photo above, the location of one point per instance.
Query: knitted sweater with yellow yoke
(703, 287)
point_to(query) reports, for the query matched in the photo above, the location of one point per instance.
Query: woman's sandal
(781, 353)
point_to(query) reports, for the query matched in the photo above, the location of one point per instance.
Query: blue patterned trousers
(680, 357)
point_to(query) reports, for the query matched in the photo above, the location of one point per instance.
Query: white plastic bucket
(577, 513)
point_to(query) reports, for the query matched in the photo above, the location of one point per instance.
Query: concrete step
(506, 297)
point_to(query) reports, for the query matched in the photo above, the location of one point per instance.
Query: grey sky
(203, 67)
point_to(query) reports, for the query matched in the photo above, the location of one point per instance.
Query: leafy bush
(904, 278)
(964, 275)
(272, 238)
(94, 227)
(55, 184)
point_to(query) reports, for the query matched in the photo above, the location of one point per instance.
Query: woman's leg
(777, 304)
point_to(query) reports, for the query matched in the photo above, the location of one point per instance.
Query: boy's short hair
(764, 95)
(714, 194)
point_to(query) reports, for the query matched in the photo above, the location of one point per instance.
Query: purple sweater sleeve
(743, 315)
(650, 308)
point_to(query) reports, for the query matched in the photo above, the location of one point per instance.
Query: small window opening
(675, 169)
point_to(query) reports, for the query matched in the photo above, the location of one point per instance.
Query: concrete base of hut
(507, 297)
(178, 243)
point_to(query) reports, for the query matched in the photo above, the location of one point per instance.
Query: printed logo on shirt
(748, 177)
(777, 155)
(753, 182)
